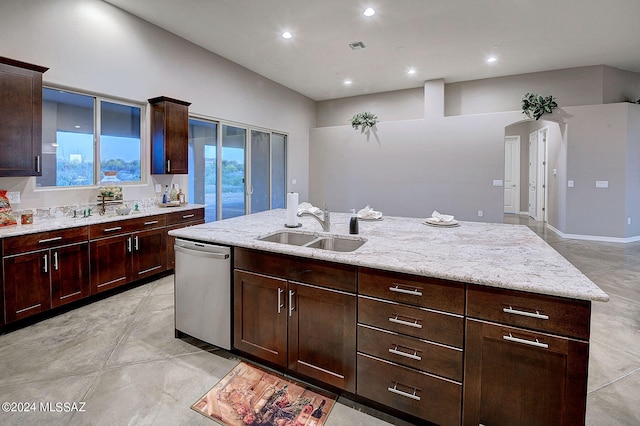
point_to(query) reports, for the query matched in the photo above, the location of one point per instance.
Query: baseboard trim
(599, 238)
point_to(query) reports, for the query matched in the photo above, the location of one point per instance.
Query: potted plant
(535, 106)
(364, 119)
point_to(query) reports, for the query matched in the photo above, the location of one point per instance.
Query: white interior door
(512, 174)
(533, 174)
(541, 187)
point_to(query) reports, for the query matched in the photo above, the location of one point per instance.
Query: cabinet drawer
(333, 275)
(422, 395)
(43, 240)
(412, 320)
(420, 354)
(126, 226)
(422, 291)
(556, 315)
(185, 216)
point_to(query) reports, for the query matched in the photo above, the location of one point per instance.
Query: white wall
(92, 46)
(633, 171)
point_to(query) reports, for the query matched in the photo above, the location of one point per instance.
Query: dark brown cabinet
(127, 250)
(516, 371)
(44, 270)
(285, 322)
(20, 118)
(411, 333)
(169, 136)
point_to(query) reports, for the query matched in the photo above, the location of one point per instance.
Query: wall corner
(434, 98)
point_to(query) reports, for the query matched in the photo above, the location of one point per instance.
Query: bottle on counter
(165, 195)
(181, 196)
(173, 194)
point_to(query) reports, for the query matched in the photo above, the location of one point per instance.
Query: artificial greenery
(535, 106)
(364, 119)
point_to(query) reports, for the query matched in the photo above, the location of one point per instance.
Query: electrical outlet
(294, 181)
(628, 221)
(480, 213)
(13, 197)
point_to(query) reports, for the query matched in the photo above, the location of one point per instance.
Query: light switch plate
(570, 184)
(14, 197)
(497, 182)
(602, 184)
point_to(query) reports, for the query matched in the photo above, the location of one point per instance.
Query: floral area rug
(252, 396)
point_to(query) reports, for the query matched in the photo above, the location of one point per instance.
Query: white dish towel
(438, 217)
(308, 208)
(369, 213)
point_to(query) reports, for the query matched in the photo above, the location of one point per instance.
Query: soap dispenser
(353, 223)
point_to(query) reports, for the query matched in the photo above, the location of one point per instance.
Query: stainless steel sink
(314, 240)
(289, 237)
(336, 243)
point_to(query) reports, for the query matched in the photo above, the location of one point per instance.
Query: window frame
(97, 129)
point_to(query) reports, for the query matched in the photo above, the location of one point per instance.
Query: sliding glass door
(203, 166)
(235, 170)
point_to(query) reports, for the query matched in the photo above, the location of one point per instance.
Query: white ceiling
(447, 39)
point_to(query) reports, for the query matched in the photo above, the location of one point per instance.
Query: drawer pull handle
(187, 216)
(397, 391)
(535, 314)
(153, 222)
(415, 355)
(536, 343)
(407, 323)
(398, 289)
(116, 228)
(48, 240)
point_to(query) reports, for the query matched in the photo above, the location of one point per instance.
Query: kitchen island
(481, 323)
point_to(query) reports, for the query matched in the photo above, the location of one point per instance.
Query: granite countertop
(57, 223)
(496, 255)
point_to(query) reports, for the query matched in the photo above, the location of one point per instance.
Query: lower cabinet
(518, 376)
(179, 220)
(41, 280)
(305, 327)
(121, 259)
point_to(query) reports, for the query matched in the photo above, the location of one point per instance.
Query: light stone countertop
(57, 223)
(496, 255)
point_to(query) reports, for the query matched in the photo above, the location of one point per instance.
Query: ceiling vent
(356, 45)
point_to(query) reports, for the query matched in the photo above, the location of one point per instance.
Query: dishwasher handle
(220, 256)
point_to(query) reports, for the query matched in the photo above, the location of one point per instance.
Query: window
(80, 150)
(244, 172)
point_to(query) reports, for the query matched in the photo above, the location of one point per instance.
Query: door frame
(515, 167)
(539, 166)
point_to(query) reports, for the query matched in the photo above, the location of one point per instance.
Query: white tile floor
(120, 357)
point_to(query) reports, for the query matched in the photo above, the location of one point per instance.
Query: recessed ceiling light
(76, 126)
(411, 71)
(491, 59)
(347, 82)
(369, 12)
(287, 35)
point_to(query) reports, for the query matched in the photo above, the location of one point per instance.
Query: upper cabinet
(169, 136)
(20, 118)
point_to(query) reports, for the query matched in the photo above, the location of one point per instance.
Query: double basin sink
(331, 242)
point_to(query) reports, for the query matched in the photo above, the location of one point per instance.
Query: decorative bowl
(122, 211)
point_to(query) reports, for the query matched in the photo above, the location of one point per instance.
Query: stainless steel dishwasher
(202, 284)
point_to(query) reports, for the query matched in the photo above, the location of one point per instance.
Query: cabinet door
(69, 273)
(20, 119)
(110, 262)
(514, 376)
(177, 138)
(169, 136)
(260, 316)
(322, 334)
(149, 252)
(26, 283)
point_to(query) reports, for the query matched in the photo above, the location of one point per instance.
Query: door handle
(280, 304)
(291, 307)
(168, 166)
(137, 246)
(55, 260)
(129, 244)
(46, 266)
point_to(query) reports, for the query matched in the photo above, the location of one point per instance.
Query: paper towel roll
(292, 209)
